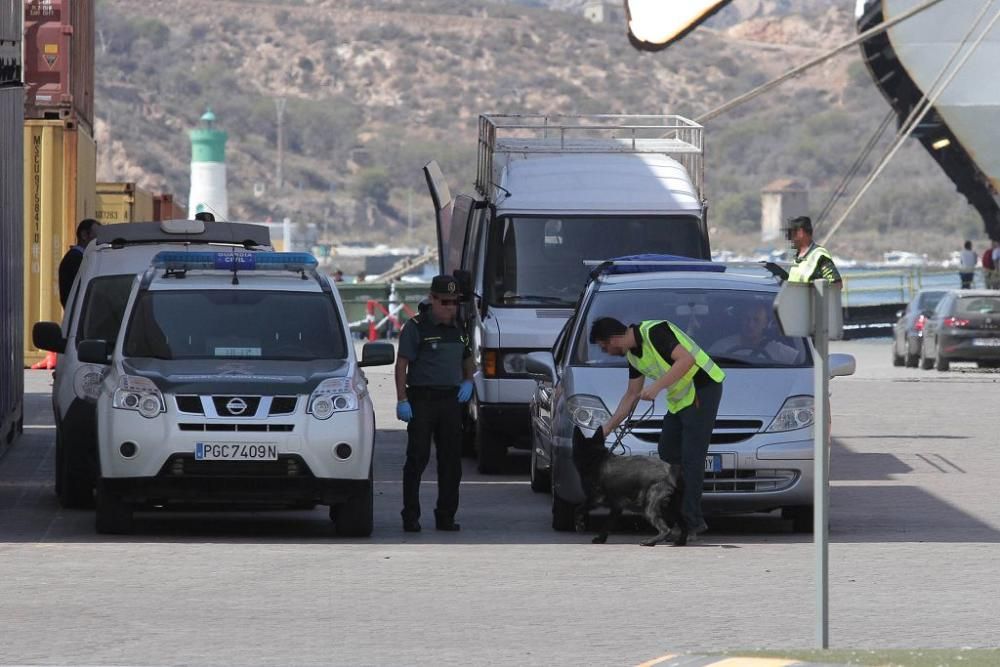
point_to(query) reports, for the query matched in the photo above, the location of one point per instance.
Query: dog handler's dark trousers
(437, 414)
(685, 439)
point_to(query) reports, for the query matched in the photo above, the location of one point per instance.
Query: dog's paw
(680, 540)
(599, 539)
(647, 543)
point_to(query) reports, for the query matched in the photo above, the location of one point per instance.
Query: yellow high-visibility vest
(651, 364)
(802, 270)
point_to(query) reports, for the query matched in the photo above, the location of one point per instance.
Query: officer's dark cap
(444, 285)
(801, 222)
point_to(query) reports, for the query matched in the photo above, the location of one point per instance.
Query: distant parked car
(908, 332)
(965, 327)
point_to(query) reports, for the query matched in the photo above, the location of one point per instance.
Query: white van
(551, 193)
(94, 310)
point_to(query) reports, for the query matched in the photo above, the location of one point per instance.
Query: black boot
(445, 523)
(411, 524)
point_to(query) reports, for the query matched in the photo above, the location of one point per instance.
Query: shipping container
(11, 28)
(165, 207)
(11, 264)
(123, 202)
(10, 42)
(59, 60)
(60, 167)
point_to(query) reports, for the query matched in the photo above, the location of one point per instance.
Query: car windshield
(736, 328)
(978, 305)
(104, 307)
(214, 324)
(539, 260)
(929, 301)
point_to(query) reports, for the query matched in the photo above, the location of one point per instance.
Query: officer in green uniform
(812, 261)
(433, 379)
(662, 352)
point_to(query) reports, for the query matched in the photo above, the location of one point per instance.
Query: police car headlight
(587, 411)
(139, 394)
(797, 412)
(87, 381)
(333, 395)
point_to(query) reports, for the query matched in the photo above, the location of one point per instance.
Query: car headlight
(333, 395)
(587, 411)
(138, 394)
(515, 363)
(797, 412)
(87, 381)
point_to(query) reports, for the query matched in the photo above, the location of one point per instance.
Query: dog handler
(662, 352)
(433, 379)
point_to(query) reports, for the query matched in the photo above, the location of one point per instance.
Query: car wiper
(536, 297)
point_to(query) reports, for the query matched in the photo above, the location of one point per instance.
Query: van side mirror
(48, 336)
(93, 352)
(541, 366)
(377, 354)
(842, 365)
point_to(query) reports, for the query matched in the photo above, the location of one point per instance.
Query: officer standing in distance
(812, 261)
(433, 380)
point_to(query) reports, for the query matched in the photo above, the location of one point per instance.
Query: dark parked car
(965, 327)
(908, 332)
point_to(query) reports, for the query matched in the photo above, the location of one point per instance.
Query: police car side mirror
(93, 352)
(842, 364)
(377, 354)
(541, 366)
(48, 336)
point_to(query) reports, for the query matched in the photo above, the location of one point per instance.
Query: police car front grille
(226, 406)
(189, 404)
(726, 431)
(283, 405)
(749, 481)
(185, 465)
(255, 428)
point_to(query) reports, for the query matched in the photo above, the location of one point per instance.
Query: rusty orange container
(165, 207)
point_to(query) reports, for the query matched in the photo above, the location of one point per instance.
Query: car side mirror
(541, 366)
(48, 336)
(842, 365)
(377, 354)
(94, 352)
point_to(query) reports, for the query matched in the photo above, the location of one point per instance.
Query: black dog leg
(609, 525)
(581, 513)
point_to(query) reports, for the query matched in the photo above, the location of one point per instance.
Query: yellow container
(60, 175)
(123, 202)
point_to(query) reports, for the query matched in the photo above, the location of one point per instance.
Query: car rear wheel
(801, 518)
(563, 514)
(941, 363)
(114, 515)
(356, 516)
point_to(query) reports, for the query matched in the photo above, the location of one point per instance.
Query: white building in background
(208, 169)
(604, 11)
(780, 200)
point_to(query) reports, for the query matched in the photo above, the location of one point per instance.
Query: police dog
(643, 484)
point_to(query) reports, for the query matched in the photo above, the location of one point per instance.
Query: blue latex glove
(465, 391)
(404, 412)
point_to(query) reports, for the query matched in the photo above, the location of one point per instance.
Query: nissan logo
(236, 406)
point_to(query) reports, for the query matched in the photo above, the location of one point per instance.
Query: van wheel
(491, 451)
(941, 363)
(801, 518)
(356, 517)
(563, 514)
(114, 515)
(74, 481)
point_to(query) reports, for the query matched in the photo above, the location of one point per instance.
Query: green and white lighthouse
(208, 169)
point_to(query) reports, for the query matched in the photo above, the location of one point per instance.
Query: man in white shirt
(967, 265)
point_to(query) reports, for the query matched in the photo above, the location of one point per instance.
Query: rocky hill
(376, 88)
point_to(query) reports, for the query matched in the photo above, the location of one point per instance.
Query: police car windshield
(539, 260)
(737, 328)
(104, 307)
(227, 324)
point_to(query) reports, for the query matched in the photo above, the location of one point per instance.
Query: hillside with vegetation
(376, 88)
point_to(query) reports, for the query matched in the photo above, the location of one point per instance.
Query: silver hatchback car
(761, 454)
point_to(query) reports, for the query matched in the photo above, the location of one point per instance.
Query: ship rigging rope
(925, 104)
(763, 88)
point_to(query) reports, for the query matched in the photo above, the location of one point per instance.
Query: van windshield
(216, 324)
(536, 261)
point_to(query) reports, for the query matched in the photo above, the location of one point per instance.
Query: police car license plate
(235, 451)
(713, 463)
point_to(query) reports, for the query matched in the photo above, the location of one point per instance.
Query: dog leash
(626, 427)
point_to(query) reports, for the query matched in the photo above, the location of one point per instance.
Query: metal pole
(821, 432)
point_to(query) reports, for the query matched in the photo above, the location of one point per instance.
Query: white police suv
(233, 380)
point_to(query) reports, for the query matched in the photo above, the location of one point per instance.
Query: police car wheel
(356, 516)
(74, 483)
(114, 515)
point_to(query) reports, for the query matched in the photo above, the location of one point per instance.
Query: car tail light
(490, 363)
(919, 324)
(955, 322)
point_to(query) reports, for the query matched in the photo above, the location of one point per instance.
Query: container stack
(59, 153)
(123, 202)
(11, 234)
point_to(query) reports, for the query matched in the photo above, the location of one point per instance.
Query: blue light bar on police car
(238, 260)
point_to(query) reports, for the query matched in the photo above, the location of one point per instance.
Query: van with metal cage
(94, 310)
(551, 191)
(233, 381)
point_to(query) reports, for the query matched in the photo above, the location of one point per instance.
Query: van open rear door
(453, 215)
